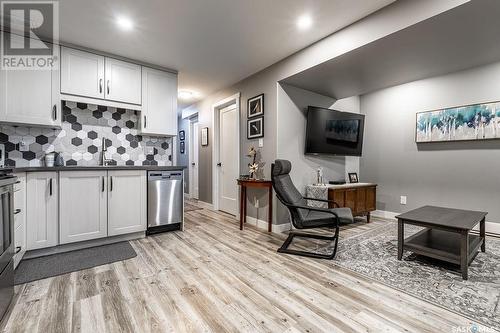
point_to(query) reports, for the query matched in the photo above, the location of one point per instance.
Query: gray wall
(461, 174)
(395, 17)
(183, 159)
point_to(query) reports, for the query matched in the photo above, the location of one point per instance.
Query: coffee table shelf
(442, 245)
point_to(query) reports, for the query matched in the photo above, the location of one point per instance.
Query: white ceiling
(464, 37)
(212, 43)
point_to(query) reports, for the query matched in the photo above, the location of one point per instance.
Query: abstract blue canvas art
(471, 122)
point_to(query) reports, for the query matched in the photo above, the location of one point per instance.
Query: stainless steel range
(7, 181)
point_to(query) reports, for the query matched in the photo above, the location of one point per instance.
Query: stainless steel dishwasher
(165, 201)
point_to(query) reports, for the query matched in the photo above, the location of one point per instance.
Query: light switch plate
(149, 150)
(403, 200)
(261, 143)
(23, 146)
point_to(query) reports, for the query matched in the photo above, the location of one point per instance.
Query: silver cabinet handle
(50, 187)
(107, 86)
(54, 112)
(100, 86)
(103, 184)
(110, 183)
(145, 122)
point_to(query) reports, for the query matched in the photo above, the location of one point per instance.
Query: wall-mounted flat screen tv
(332, 132)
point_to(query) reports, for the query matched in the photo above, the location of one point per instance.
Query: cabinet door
(20, 218)
(82, 73)
(371, 198)
(41, 210)
(30, 97)
(83, 206)
(159, 102)
(123, 81)
(126, 201)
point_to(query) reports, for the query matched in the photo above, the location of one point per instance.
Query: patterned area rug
(373, 253)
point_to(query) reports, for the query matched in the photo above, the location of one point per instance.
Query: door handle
(107, 86)
(18, 249)
(110, 183)
(102, 184)
(17, 211)
(193, 164)
(100, 86)
(50, 187)
(54, 112)
(219, 164)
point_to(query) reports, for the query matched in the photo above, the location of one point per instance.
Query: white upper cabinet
(82, 73)
(30, 97)
(82, 217)
(123, 81)
(159, 102)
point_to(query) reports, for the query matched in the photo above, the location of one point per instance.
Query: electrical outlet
(23, 146)
(403, 200)
(261, 143)
(149, 150)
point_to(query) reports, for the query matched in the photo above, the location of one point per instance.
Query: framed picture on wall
(182, 147)
(255, 128)
(182, 135)
(204, 136)
(353, 177)
(255, 106)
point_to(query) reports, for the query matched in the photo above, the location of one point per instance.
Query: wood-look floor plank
(215, 278)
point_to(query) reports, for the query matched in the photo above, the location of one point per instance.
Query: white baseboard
(491, 227)
(261, 224)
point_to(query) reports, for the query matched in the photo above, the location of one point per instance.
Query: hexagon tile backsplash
(80, 139)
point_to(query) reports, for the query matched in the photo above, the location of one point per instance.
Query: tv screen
(331, 132)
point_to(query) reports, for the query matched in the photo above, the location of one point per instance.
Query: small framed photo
(182, 135)
(255, 128)
(353, 177)
(182, 147)
(204, 136)
(255, 106)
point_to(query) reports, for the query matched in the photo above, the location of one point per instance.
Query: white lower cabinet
(126, 201)
(41, 210)
(20, 218)
(83, 206)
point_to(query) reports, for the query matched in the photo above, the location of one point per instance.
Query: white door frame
(192, 120)
(235, 99)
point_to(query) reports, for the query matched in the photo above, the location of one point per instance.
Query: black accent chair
(304, 216)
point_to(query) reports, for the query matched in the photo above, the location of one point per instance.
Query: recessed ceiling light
(185, 94)
(304, 22)
(125, 23)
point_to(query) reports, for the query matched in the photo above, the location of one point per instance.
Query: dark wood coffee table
(446, 235)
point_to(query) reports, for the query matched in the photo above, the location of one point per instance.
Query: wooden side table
(245, 183)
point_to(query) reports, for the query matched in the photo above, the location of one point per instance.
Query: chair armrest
(324, 200)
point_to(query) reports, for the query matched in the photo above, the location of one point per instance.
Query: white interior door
(228, 161)
(194, 150)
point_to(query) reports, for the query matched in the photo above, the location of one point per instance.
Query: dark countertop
(110, 167)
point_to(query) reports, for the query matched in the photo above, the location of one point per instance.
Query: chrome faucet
(104, 161)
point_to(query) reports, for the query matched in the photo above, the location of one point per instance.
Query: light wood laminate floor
(214, 278)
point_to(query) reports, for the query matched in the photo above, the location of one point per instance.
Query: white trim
(491, 227)
(190, 157)
(261, 224)
(103, 102)
(234, 99)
